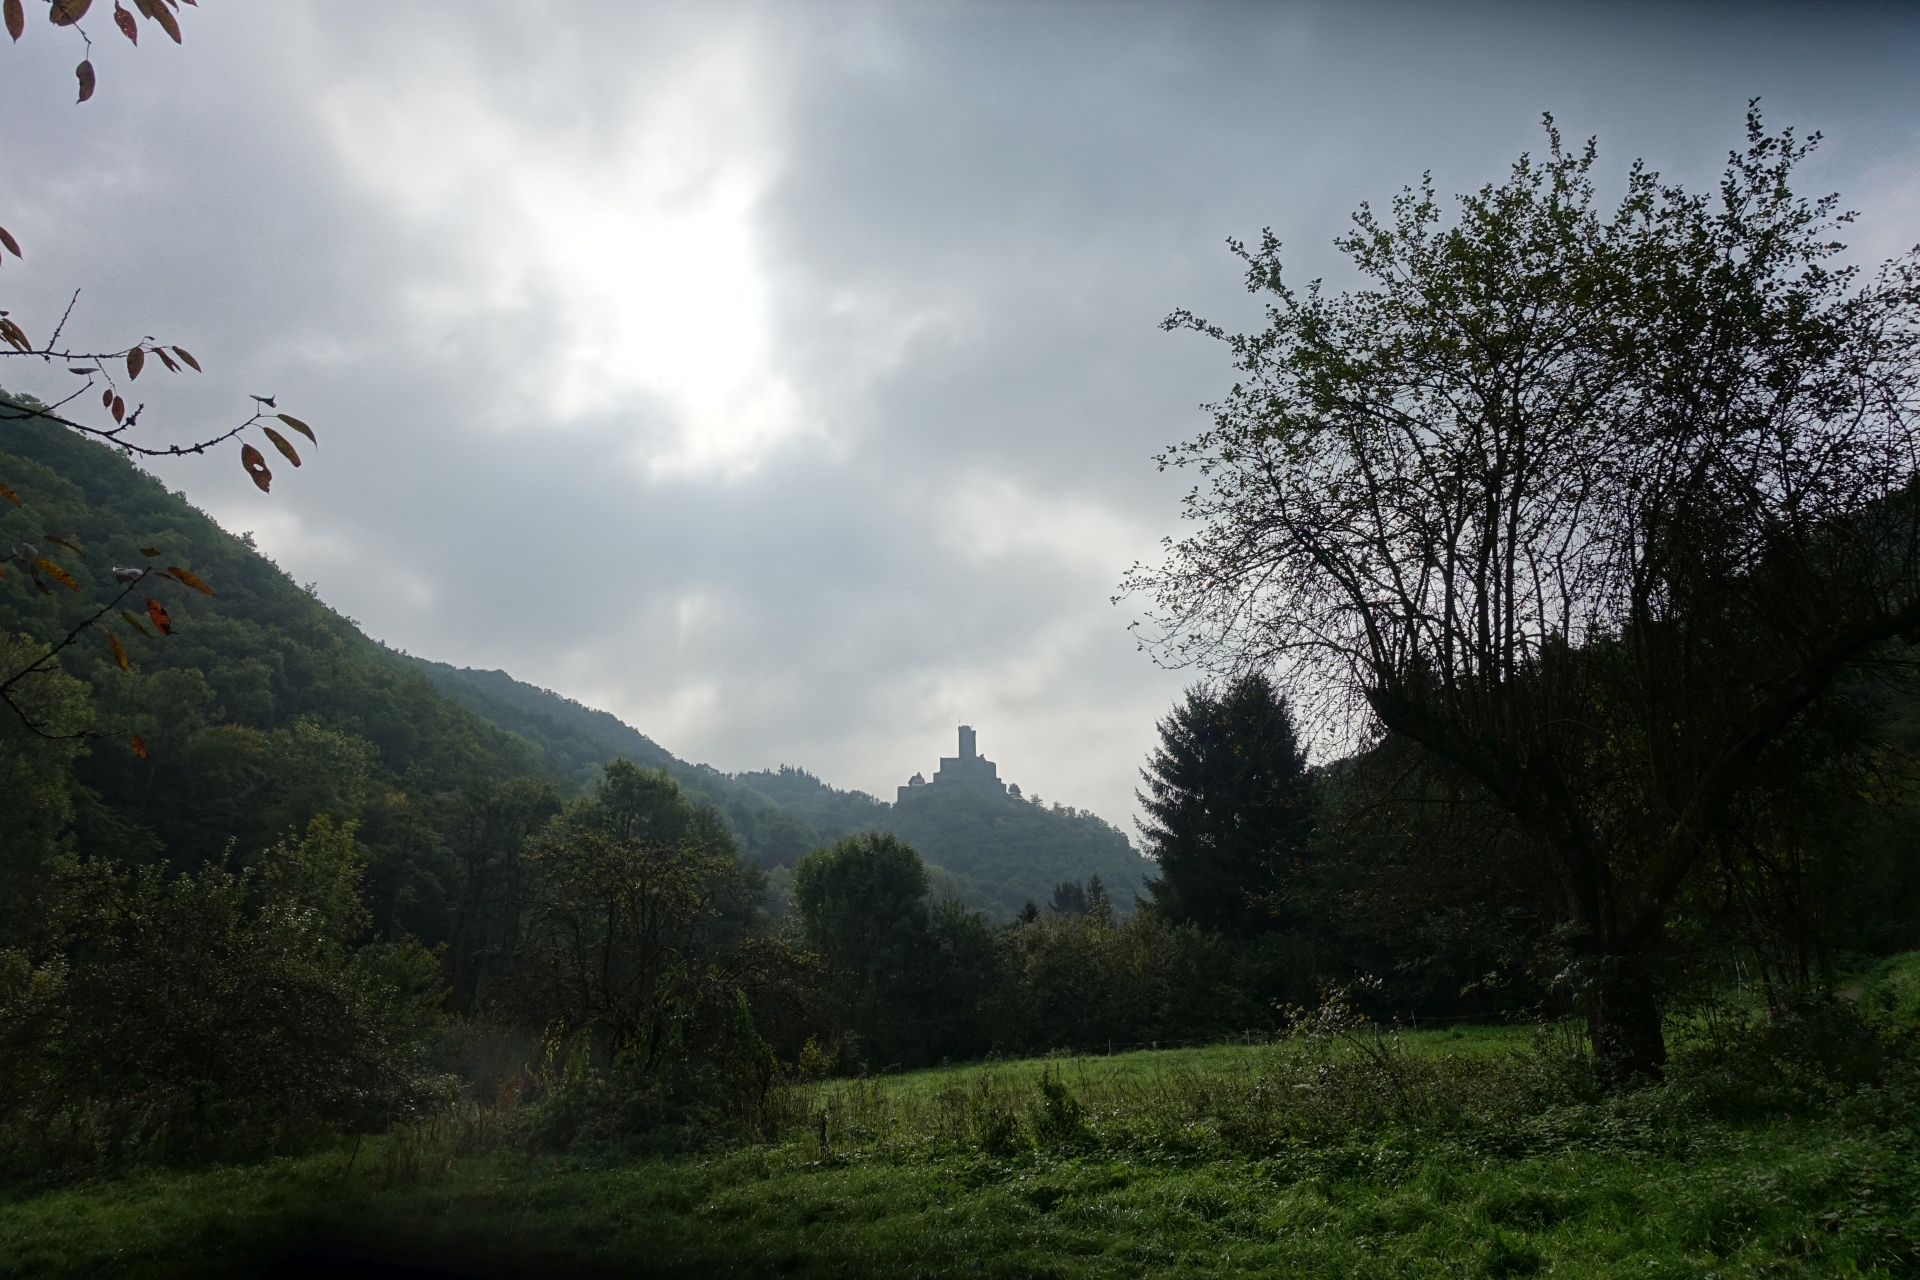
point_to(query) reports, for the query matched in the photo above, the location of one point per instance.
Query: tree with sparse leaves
(1597, 507)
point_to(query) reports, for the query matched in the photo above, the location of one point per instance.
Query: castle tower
(968, 769)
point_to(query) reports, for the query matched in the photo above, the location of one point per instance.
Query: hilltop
(267, 706)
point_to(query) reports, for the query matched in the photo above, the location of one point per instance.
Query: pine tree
(1228, 801)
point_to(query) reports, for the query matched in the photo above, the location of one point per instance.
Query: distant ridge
(996, 852)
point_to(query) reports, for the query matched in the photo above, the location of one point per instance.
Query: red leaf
(106, 398)
(128, 27)
(182, 353)
(9, 495)
(188, 579)
(139, 747)
(6, 238)
(158, 612)
(84, 73)
(166, 359)
(136, 361)
(67, 12)
(16, 19)
(119, 409)
(256, 466)
(119, 654)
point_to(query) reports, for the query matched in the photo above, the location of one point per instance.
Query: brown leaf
(119, 654)
(87, 370)
(6, 237)
(162, 621)
(119, 409)
(55, 572)
(136, 361)
(164, 16)
(299, 426)
(128, 27)
(188, 579)
(166, 359)
(67, 12)
(106, 398)
(149, 551)
(145, 7)
(49, 537)
(84, 73)
(139, 747)
(191, 362)
(134, 622)
(16, 336)
(280, 443)
(9, 495)
(16, 19)
(256, 466)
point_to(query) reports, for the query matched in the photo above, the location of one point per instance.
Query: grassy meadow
(1482, 1153)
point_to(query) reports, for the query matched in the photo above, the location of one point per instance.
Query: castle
(968, 769)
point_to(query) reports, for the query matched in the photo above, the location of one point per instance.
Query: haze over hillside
(265, 684)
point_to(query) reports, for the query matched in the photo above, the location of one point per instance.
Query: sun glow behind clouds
(611, 253)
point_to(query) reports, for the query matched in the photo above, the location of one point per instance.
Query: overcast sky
(785, 378)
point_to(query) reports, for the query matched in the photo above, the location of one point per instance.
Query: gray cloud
(784, 378)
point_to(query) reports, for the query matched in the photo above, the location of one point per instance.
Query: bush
(213, 1014)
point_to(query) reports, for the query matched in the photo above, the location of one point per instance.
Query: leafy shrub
(217, 1013)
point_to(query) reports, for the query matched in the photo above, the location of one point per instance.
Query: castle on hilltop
(968, 769)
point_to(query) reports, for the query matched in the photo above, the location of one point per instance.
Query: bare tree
(1593, 506)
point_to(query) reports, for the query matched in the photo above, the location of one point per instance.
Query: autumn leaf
(55, 572)
(187, 579)
(9, 495)
(299, 426)
(162, 621)
(149, 551)
(54, 538)
(164, 16)
(6, 237)
(67, 12)
(139, 747)
(84, 73)
(14, 334)
(16, 19)
(119, 409)
(191, 362)
(136, 361)
(119, 654)
(256, 467)
(133, 621)
(280, 443)
(166, 359)
(128, 27)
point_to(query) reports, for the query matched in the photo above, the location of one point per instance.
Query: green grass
(1184, 1163)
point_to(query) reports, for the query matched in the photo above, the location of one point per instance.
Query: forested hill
(999, 852)
(266, 707)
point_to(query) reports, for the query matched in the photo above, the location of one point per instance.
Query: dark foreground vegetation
(1788, 1149)
(1594, 956)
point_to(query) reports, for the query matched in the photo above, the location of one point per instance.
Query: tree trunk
(1623, 1023)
